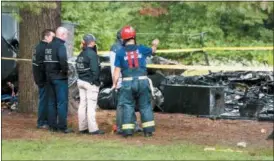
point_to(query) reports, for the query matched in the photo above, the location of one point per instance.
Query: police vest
(51, 61)
(83, 65)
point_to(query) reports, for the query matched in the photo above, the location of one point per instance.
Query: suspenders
(135, 62)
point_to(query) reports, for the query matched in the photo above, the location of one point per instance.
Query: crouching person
(88, 68)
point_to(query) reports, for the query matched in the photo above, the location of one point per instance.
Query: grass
(76, 149)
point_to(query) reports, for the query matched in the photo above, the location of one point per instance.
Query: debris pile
(247, 94)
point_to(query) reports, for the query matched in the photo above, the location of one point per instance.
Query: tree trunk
(30, 28)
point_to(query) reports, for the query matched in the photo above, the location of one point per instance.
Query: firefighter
(131, 62)
(88, 69)
(57, 74)
(39, 76)
(114, 48)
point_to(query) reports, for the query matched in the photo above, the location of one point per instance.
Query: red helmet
(128, 32)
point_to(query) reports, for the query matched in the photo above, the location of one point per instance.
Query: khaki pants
(88, 102)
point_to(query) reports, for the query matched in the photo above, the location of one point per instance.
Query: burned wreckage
(226, 95)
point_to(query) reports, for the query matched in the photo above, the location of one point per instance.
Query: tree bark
(30, 28)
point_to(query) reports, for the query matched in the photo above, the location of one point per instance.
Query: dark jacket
(117, 46)
(56, 64)
(88, 66)
(37, 64)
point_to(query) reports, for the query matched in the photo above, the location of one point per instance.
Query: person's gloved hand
(114, 87)
(155, 42)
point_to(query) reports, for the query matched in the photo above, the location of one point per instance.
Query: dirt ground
(170, 128)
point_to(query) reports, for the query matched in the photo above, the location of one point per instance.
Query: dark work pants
(139, 90)
(119, 114)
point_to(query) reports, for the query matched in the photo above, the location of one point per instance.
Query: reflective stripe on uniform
(136, 61)
(129, 60)
(151, 87)
(127, 126)
(83, 69)
(51, 61)
(131, 78)
(132, 57)
(148, 124)
(35, 64)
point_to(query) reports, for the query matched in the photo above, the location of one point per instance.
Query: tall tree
(35, 17)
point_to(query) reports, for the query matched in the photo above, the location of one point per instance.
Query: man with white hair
(57, 74)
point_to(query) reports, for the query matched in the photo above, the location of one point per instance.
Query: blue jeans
(58, 94)
(136, 90)
(42, 107)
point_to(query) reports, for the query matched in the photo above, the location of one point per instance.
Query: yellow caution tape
(200, 67)
(182, 67)
(195, 67)
(237, 48)
(16, 59)
(206, 49)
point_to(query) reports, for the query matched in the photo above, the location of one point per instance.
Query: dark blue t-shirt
(121, 59)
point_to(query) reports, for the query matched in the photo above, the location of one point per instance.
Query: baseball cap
(89, 38)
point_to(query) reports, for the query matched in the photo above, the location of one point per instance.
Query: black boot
(52, 129)
(127, 135)
(119, 132)
(148, 134)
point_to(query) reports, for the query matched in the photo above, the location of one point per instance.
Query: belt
(131, 78)
(142, 78)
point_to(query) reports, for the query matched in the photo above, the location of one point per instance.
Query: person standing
(39, 76)
(119, 110)
(88, 69)
(57, 74)
(131, 62)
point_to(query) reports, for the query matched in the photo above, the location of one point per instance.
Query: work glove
(155, 42)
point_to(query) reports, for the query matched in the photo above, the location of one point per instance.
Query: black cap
(89, 38)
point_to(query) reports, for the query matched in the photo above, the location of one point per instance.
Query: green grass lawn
(76, 149)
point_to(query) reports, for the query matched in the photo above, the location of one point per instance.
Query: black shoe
(127, 135)
(148, 134)
(119, 132)
(98, 132)
(66, 131)
(51, 129)
(84, 131)
(43, 127)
